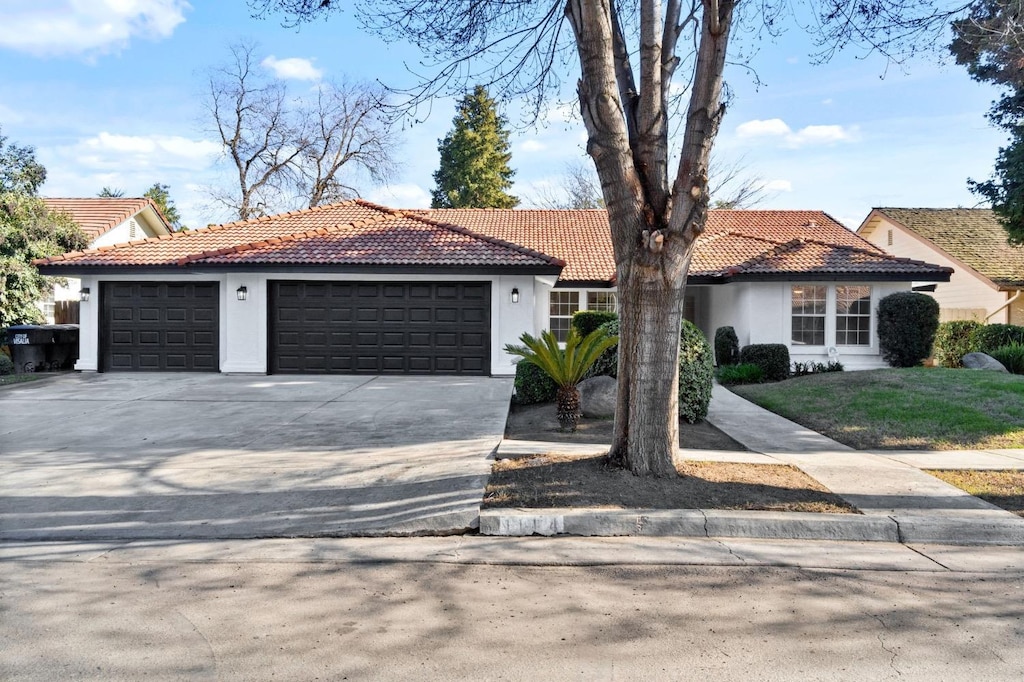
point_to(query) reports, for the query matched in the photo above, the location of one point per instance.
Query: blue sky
(109, 92)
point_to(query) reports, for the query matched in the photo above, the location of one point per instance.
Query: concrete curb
(750, 524)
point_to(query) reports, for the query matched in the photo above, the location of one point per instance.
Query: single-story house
(355, 287)
(105, 220)
(988, 275)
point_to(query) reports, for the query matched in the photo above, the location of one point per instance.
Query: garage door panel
(388, 327)
(159, 326)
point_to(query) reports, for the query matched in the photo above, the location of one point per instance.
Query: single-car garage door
(380, 327)
(160, 326)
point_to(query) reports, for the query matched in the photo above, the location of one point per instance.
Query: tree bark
(653, 227)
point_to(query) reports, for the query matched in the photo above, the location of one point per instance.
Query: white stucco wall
(243, 328)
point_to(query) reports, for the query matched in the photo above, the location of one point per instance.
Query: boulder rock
(982, 361)
(597, 395)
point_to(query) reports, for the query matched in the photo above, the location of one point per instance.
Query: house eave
(71, 270)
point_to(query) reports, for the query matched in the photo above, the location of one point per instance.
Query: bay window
(563, 304)
(826, 315)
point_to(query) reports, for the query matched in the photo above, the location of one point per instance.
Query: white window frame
(830, 320)
(583, 302)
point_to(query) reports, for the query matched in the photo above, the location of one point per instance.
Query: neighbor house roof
(973, 236)
(354, 233)
(98, 215)
(735, 245)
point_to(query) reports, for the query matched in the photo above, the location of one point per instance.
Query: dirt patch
(1004, 489)
(540, 422)
(546, 481)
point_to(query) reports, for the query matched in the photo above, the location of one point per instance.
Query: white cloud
(401, 196)
(768, 128)
(112, 152)
(776, 128)
(86, 27)
(827, 102)
(778, 186)
(294, 68)
(530, 146)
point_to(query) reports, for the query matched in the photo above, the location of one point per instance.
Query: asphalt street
(510, 609)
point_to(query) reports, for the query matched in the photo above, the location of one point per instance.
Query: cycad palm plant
(566, 366)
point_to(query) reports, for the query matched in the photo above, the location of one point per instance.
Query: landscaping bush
(953, 341)
(740, 374)
(1012, 357)
(6, 365)
(907, 322)
(608, 363)
(988, 337)
(587, 321)
(533, 385)
(772, 358)
(696, 373)
(727, 346)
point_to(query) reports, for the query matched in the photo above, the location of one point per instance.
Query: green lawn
(920, 408)
(8, 379)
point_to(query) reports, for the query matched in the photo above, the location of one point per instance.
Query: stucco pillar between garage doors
(244, 328)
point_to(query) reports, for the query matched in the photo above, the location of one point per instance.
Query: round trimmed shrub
(727, 346)
(696, 373)
(772, 358)
(586, 321)
(907, 322)
(608, 363)
(533, 385)
(953, 341)
(989, 337)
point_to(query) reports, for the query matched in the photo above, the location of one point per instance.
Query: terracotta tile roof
(99, 215)
(735, 243)
(731, 255)
(353, 232)
(973, 236)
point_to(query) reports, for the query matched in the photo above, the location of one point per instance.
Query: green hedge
(989, 337)
(772, 358)
(907, 322)
(533, 385)
(587, 321)
(953, 340)
(696, 373)
(6, 366)
(608, 363)
(727, 346)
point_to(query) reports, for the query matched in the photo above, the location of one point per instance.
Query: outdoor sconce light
(515, 295)
(242, 293)
(83, 295)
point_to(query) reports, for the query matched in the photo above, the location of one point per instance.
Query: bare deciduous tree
(289, 151)
(628, 54)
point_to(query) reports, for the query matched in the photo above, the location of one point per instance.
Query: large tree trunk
(653, 227)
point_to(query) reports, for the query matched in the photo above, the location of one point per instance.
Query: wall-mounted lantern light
(242, 293)
(83, 295)
(515, 295)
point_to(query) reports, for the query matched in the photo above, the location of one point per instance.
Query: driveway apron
(162, 456)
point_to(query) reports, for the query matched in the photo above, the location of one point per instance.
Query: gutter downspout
(1009, 302)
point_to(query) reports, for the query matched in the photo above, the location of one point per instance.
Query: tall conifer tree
(474, 171)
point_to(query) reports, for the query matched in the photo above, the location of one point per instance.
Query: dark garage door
(160, 326)
(380, 327)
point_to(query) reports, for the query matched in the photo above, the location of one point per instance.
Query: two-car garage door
(379, 327)
(315, 327)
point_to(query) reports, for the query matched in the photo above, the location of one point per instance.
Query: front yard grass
(1004, 489)
(10, 379)
(920, 408)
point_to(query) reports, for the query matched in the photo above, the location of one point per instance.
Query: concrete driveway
(159, 456)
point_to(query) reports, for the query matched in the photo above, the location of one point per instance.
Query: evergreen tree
(160, 194)
(474, 171)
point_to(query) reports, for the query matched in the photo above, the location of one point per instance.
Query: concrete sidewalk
(899, 502)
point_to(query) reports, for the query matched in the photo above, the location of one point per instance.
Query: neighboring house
(988, 273)
(356, 287)
(106, 221)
